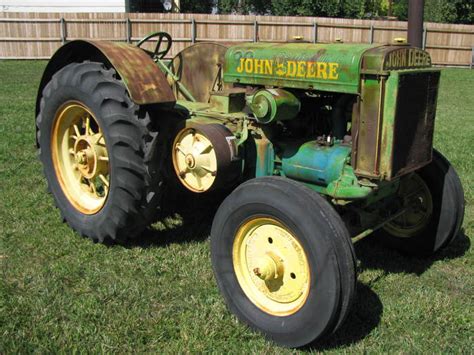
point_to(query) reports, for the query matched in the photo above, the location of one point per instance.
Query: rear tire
(109, 185)
(447, 197)
(283, 260)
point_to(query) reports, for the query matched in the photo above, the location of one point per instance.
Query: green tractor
(315, 145)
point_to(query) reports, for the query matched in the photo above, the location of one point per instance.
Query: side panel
(326, 67)
(199, 69)
(145, 82)
(367, 128)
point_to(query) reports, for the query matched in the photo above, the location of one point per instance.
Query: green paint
(347, 187)
(314, 163)
(272, 105)
(325, 169)
(398, 56)
(383, 189)
(330, 67)
(227, 102)
(392, 92)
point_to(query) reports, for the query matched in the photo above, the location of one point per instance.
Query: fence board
(38, 35)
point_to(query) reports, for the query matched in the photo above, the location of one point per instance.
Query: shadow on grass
(364, 316)
(192, 223)
(373, 255)
(367, 308)
(184, 221)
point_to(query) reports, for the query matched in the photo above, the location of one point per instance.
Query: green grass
(59, 291)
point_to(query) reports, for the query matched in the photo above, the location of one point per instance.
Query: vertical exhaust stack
(415, 22)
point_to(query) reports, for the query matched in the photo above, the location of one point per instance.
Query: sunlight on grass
(61, 292)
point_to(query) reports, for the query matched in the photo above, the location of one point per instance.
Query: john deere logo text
(407, 58)
(289, 68)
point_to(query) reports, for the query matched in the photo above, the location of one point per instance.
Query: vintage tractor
(316, 145)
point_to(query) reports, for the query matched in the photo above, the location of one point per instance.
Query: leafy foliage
(449, 11)
(197, 7)
(243, 7)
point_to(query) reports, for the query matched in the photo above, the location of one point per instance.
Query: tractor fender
(145, 82)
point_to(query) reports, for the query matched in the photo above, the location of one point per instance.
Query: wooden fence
(38, 35)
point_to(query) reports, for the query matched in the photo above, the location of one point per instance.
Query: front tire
(283, 260)
(439, 200)
(99, 152)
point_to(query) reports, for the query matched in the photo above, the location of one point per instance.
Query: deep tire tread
(131, 137)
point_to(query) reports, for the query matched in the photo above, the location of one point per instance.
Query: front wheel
(433, 198)
(283, 260)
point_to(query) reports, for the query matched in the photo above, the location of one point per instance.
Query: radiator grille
(414, 121)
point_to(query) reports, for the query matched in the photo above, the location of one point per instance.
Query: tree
(323, 8)
(449, 11)
(400, 9)
(465, 12)
(243, 7)
(201, 6)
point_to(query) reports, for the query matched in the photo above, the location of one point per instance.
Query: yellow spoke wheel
(416, 196)
(100, 153)
(271, 266)
(80, 157)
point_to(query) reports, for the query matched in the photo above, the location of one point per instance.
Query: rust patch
(145, 82)
(199, 69)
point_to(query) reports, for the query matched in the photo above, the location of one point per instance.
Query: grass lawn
(59, 291)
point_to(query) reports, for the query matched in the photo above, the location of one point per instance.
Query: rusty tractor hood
(334, 67)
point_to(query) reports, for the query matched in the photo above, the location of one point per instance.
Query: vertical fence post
(371, 36)
(423, 42)
(193, 30)
(472, 58)
(128, 25)
(315, 32)
(62, 25)
(255, 30)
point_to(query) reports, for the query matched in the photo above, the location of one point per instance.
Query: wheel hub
(87, 153)
(190, 161)
(416, 197)
(80, 157)
(271, 266)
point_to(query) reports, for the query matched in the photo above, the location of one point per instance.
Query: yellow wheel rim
(194, 160)
(417, 197)
(80, 157)
(271, 266)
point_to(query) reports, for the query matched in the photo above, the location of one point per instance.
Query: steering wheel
(158, 53)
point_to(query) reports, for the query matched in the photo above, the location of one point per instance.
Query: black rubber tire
(132, 144)
(448, 211)
(323, 236)
(458, 196)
